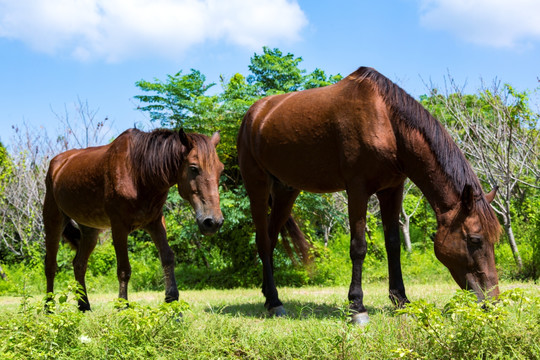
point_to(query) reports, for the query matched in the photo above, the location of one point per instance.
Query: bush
(33, 334)
(466, 329)
(65, 332)
(102, 260)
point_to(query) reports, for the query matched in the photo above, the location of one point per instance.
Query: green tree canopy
(183, 101)
(180, 101)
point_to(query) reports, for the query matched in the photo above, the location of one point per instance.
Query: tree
(22, 182)
(5, 172)
(182, 101)
(273, 73)
(235, 100)
(318, 78)
(179, 102)
(82, 131)
(499, 134)
(321, 213)
(411, 202)
(21, 225)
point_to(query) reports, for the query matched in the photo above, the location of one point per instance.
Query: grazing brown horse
(123, 186)
(365, 135)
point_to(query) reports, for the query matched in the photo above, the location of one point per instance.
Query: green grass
(223, 324)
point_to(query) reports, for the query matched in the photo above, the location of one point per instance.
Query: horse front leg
(158, 232)
(123, 268)
(391, 201)
(358, 250)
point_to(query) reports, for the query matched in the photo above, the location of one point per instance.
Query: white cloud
(117, 29)
(497, 23)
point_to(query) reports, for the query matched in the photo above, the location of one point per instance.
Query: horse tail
(300, 244)
(72, 235)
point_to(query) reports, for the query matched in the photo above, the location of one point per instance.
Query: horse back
(322, 139)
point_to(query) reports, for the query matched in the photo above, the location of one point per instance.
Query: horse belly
(305, 167)
(83, 204)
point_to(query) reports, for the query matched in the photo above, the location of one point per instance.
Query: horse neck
(423, 170)
(158, 186)
(160, 177)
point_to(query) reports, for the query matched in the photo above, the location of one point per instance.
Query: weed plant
(232, 324)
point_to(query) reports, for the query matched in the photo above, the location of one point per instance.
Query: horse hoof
(179, 317)
(84, 307)
(277, 311)
(360, 318)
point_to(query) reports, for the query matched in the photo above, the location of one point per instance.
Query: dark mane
(205, 150)
(410, 113)
(155, 156)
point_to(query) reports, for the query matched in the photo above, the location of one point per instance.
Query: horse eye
(194, 170)
(474, 239)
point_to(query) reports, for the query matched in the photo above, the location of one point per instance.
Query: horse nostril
(208, 223)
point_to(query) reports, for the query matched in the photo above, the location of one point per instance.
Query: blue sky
(53, 53)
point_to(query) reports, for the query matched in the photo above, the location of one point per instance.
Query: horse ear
(491, 195)
(215, 138)
(185, 140)
(467, 198)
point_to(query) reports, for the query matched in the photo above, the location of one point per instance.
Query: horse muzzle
(483, 286)
(209, 225)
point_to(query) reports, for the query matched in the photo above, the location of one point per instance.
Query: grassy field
(222, 324)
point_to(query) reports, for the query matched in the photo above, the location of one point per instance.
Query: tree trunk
(326, 235)
(201, 252)
(2, 273)
(404, 225)
(513, 245)
(405, 229)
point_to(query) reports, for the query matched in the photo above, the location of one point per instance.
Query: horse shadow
(298, 310)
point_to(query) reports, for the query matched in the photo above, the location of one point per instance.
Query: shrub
(465, 328)
(34, 334)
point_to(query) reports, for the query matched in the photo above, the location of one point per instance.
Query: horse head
(198, 179)
(464, 243)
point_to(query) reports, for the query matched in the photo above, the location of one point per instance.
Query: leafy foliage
(231, 324)
(228, 259)
(182, 101)
(468, 329)
(33, 334)
(274, 73)
(498, 132)
(178, 102)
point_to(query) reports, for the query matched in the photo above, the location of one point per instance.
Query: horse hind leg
(282, 201)
(53, 222)
(257, 184)
(86, 245)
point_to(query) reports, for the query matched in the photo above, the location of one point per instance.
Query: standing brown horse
(123, 186)
(365, 135)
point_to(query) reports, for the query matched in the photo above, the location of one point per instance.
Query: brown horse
(123, 186)
(365, 135)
